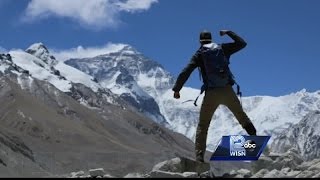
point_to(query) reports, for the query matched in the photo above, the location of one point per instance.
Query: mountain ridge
(62, 125)
(146, 85)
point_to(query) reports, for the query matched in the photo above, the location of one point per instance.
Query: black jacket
(196, 61)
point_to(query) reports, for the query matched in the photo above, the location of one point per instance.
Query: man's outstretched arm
(230, 48)
(185, 74)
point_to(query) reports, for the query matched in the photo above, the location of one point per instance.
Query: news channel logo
(240, 148)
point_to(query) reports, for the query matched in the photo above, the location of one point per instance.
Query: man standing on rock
(213, 62)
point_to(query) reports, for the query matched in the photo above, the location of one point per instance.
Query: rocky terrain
(287, 165)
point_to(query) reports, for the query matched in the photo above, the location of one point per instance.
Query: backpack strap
(200, 75)
(195, 101)
(239, 92)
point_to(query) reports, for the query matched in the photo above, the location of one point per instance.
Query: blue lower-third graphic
(240, 148)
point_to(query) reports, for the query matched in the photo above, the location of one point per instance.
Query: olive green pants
(212, 99)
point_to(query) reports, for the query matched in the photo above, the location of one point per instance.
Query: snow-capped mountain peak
(116, 50)
(38, 46)
(129, 50)
(41, 51)
(130, 74)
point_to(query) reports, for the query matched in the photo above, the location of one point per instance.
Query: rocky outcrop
(180, 167)
(286, 165)
(92, 173)
(97, 172)
(274, 165)
(16, 145)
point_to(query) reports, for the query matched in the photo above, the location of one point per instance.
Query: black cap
(205, 36)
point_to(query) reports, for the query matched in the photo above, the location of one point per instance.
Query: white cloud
(136, 5)
(86, 52)
(90, 13)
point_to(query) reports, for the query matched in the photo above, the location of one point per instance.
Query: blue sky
(282, 55)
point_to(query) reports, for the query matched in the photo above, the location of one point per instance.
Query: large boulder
(97, 172)
(292, 173)
(77, 174)
(181, 165)
(164, 174)
(261, 173)
(290, 159)
(315, 167)
(221, 168)
(264, 162)
(316, 176)
(305, 174)
(274, 174)
(133, 175)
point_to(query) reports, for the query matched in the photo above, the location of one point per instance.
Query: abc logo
(250, 145)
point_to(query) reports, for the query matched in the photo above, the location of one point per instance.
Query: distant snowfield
(42, 71)
(76, 76)
(33, 65)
